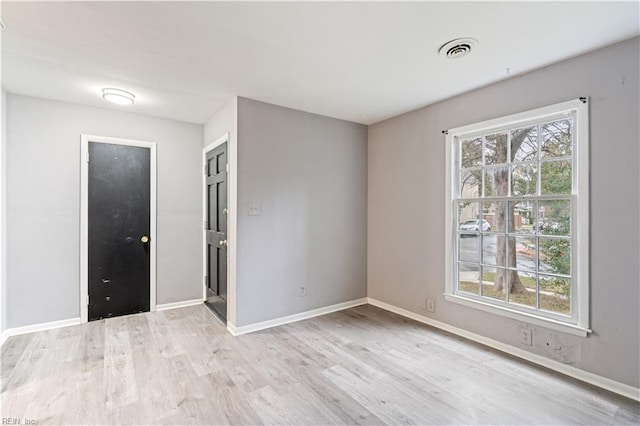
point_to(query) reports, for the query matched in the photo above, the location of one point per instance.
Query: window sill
(520, 316)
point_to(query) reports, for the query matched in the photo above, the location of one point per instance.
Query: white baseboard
(576, 373)
(182, 304)
(3, 337)
(236, 331)
(231, 328)
(16, 331)
(75, 321)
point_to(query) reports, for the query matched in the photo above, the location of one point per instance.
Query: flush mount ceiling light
(118, 96)
(458, 48)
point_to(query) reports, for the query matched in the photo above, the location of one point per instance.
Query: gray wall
(3, 170)
(3, 212)
(309, 173)
(406, 212)
(43, 200)
(223, 121)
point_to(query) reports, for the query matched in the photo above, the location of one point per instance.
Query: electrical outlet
(431, 305)
(302, 291)
(526, 336)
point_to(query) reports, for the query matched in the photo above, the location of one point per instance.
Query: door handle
(144, 239)
(222, 243)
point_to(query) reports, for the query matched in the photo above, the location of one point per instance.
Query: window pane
(495, 214)
(468, 277)
(556, 139)
(495, 149)
(555, 255)
(523, 287)
(493, 280)
(524, 144)
(555, 294)
(470, 181)
(554, 217)
(524, 179)
(468, 211)
(523, 253)
(520, 216)
(469, 248)
(514, 234)
(496, 181)
(471, 152)
(555, 177)
(494, 249)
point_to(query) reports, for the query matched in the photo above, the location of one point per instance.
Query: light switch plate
(254, 209)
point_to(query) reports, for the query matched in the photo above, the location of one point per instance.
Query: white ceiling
(362, 62)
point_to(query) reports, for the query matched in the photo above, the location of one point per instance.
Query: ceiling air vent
(458, 48)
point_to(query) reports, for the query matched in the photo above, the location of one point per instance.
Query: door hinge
(227, 168)
(87, 299)
(87, 157)
(206, 225)
(206, 169)
(206, 280)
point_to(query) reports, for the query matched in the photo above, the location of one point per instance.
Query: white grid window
(517, 212)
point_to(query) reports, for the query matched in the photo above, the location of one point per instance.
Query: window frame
(578, 322)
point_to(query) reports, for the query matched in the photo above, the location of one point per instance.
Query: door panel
(119, 217)
(216, 231)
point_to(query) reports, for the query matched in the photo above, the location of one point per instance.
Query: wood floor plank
(232, 401)
(360, 366)
(305, 364)
(120, 387)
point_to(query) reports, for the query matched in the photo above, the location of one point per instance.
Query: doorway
(118, 221)
(216, 212)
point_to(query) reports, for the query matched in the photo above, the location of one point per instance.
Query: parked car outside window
(472, 227)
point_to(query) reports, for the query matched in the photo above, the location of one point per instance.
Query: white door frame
(84, 217)
(231, 225)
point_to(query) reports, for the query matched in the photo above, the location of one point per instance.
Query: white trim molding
(183, 304)
(3, 337)
(16, 331)
(567, 370)
(237, 331)
(232, 221)
(26, 329)
(84, 216)
(519, 315)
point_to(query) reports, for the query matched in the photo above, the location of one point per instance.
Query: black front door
(216, 229)
(119, 224)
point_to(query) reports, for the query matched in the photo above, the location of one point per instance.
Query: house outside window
(517, 213)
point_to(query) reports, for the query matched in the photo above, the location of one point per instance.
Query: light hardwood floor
(359, 366)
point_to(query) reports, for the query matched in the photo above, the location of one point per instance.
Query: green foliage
(557, 254)
(556, 177)
(471, 153)
(556, 139)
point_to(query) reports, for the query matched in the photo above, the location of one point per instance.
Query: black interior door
(216, 229)
(118, 233)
